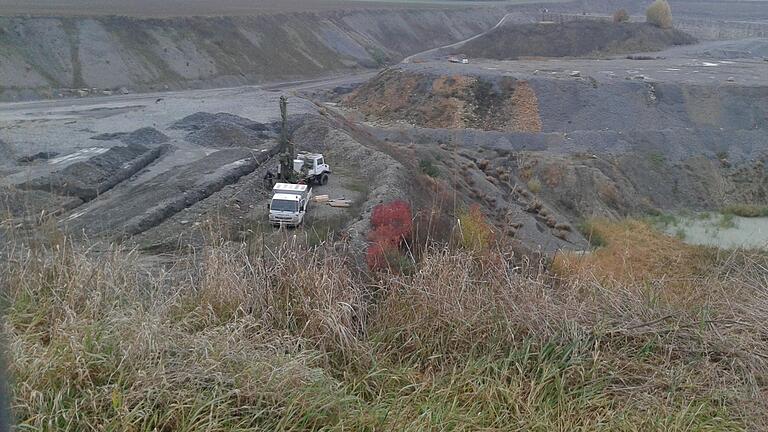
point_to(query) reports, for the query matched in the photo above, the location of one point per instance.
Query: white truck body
(313, 167)
(289, 203)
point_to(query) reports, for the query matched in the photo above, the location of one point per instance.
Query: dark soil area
(223, 130)
(570, 39)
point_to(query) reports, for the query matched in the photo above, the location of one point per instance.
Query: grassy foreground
(630, 338)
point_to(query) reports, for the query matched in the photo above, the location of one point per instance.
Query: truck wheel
(324, 179)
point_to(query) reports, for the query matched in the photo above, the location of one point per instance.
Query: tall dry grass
(296, 339)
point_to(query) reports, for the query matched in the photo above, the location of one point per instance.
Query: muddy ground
(170, 172)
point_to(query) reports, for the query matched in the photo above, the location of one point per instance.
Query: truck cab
(313, 167)
(288, 205)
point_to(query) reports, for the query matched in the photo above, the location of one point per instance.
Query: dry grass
(636, 252)
(297, 339)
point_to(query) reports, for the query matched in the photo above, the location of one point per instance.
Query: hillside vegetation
(241, 338)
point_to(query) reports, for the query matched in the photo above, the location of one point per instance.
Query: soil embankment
(573, 39)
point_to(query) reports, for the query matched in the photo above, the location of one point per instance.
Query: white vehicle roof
(289, 187)
(309, 155)
(286, 197)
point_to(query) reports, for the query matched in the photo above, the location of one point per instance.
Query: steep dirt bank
(49, 57)
(580, 138)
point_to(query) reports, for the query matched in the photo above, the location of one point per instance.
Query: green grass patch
(726, 221)
(657, 159)
(427, 167)
(590, 229)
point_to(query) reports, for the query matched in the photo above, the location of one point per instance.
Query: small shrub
(534, 185)
(664, 220)
(659, 14)
(534, 207)
(551, 221)
(621, 16)
(378, 56)
(428, 168)
(746, 210)
(553, 174)
(726, 221)
(591, 230)
(395, 214)
(392, 223)
(474, 231)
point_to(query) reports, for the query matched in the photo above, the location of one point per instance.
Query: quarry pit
(628, 120)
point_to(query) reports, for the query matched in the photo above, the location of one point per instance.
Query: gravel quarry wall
(491, 101)
(55, 57)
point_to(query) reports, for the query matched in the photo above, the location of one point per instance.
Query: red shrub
(391, 223)
(396, 214)
(381, 255)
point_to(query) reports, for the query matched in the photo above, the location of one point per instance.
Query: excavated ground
(683, 128)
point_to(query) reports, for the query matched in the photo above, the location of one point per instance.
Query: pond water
(724, 231)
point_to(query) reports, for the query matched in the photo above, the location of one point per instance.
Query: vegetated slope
(291, 339)
(71, 56)
(570, 39)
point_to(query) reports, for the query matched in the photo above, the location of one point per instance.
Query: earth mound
(453, 102)
(226, 134)
(573, 39)
(145, 136)
(201, 120)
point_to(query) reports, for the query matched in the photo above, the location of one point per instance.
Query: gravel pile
(201, 120)
(223, 134)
